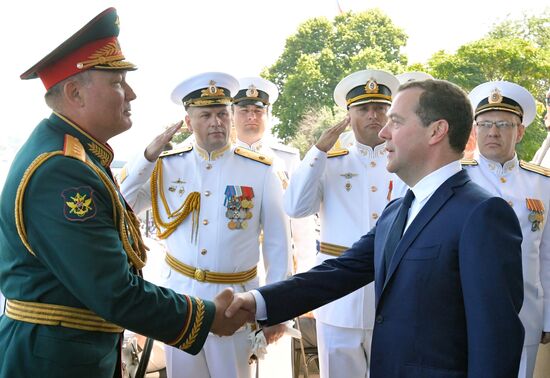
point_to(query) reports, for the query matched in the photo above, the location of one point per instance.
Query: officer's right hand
(154, 149)
(224, 325)
(330, 136)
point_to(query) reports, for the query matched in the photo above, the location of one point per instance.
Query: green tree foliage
(535, 29)
(514, 50)
(312, 124)
(321, 53)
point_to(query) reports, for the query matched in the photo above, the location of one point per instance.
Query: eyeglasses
(487, 125)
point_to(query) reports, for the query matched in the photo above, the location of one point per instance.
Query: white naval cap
(405, 77)
(364, 87)
(504, 96)
(256, 91)
(206, 89)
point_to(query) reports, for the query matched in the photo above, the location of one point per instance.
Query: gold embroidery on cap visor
(109, 56)
(211, 95)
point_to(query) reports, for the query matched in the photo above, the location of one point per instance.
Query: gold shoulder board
(73, 148)
(468, 162)
(253, 156)
(337, 152)
(534, 168)
(176, 151)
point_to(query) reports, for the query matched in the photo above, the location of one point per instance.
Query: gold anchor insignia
(371, 86)
(495, 97)
(80, 205)
(252, 91)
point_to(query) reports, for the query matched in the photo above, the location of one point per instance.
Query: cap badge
(212, 90)
(495, 97)
(371, 86)
(252, 91)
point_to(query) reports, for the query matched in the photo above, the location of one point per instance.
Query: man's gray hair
(54, 94)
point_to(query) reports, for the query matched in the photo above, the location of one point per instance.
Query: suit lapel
(426, 214)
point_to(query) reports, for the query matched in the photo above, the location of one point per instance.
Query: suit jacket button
(379, 319)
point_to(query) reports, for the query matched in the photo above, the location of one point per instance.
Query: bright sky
(172, 39)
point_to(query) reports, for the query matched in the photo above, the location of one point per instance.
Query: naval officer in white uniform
(251, 117)
(210, 202)
(349, 187)
(502, 111)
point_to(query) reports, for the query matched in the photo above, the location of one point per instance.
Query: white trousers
(528, 358)
(221, 357)
(343, 352)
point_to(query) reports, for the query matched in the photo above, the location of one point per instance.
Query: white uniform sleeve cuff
(261, 310)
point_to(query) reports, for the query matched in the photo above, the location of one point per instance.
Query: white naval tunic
(286, 160)
(216, 248)
(515, 185)
(350, 192)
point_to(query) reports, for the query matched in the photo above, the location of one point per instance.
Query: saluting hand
(154, 149)
(330, 136)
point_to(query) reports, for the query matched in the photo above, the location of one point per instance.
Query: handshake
(234, 310)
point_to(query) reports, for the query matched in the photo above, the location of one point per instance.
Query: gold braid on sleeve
(192, 204)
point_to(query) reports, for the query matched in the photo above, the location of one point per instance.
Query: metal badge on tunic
(348, 176)
(239, 202)
(177, 187)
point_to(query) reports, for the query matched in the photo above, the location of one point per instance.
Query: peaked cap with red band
(94, 46)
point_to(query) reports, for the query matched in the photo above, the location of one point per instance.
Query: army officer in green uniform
(70, 248)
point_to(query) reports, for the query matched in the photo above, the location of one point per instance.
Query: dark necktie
(396, 231)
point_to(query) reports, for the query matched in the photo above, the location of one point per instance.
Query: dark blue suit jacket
(448, 304)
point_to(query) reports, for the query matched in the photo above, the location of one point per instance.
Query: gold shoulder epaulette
(73, 148)
(534, 168)
(176, 151)
(339, 152)
(466, 161)
(253, 156)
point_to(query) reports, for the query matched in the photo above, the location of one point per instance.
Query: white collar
(497, 168)
(430, 183)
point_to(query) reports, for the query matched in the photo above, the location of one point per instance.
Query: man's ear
(439, 130)
(520, 132)
(188, 123)
(72, 91)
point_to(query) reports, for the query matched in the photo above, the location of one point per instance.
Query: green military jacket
(69, 256)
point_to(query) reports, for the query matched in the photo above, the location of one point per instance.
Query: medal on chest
(536, 216)
(239, 203)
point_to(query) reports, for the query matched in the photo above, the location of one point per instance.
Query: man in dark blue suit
(448, 292)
